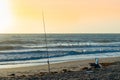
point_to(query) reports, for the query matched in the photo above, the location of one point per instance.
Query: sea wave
(31, 49)
(57, 45)
(42, 54)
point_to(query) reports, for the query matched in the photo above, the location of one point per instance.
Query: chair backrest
(96, 60)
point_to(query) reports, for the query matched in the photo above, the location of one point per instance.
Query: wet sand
(58, 67)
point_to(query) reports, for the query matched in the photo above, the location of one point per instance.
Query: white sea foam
(14, 64)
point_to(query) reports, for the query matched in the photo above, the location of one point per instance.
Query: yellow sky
(61, 16)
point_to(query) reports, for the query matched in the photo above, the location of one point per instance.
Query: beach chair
(96, 64)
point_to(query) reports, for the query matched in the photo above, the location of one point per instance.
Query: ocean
(20, 50)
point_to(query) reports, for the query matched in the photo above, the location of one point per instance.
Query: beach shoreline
(57, 67)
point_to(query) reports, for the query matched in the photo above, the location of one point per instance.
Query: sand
(72, 66)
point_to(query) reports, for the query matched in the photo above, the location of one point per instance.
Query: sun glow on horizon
(6, 17)
(61, 16)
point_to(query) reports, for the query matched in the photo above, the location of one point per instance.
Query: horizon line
(63, 33)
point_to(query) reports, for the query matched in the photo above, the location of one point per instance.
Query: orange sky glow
(61, 16)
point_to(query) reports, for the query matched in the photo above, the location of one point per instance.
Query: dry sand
(73, 66)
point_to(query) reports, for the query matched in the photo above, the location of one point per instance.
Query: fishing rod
(45, 34)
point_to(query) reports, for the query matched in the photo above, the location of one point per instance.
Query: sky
(61, 16)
